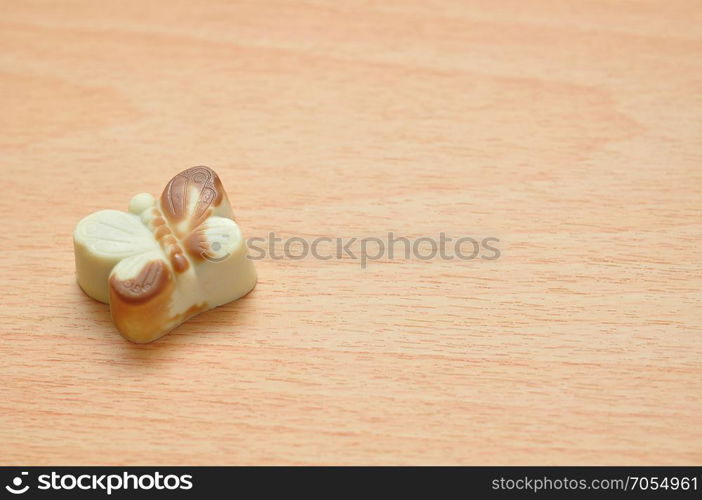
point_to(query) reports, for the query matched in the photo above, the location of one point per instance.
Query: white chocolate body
(156, 271)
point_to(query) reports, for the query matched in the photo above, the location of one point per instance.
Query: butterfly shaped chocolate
(166, 259)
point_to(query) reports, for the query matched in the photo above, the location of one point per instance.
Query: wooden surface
(569, 130)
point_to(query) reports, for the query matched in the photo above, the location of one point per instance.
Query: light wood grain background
(571, 130)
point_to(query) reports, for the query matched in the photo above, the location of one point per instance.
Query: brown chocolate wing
(148, 276)
(190, 196)
(141, 291)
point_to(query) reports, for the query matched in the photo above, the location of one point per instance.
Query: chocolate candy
(164, 260)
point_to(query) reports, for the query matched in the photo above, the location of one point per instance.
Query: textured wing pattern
(191, 195)
(115, 234)
(139, 278)
(141, 288)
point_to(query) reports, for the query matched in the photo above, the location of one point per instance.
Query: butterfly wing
(213, 240)
(191, 197)
(141, 288)
(218, 251)
(103, 239)
(114, 233)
